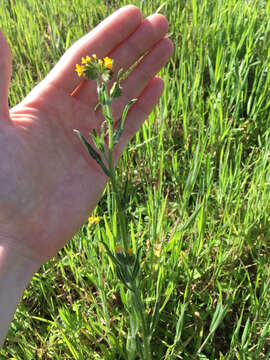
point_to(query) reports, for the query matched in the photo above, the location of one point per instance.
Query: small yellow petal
(79, 69)
(86, 60)
(108, 62)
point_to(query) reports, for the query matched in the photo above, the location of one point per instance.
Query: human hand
(48, 182)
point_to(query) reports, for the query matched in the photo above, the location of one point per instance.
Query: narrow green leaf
(136, 266)
(179, 324)
(93, 152)
(122, 277)
(116, 90)
(119, 130)
(97, 141)
(245, 334)
(155, 316)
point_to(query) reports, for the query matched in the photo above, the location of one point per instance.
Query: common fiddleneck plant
(126, 263)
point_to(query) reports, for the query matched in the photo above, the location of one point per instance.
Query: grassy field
(201, 211)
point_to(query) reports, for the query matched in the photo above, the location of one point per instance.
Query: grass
(201, 211)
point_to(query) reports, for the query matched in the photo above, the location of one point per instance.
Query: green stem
(121, 214)
(123, 225)
(145, 333)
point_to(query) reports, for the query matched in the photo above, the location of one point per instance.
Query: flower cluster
(93, 220)
(119, 250)
(91, 67)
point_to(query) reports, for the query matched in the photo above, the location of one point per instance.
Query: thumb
(5, 73)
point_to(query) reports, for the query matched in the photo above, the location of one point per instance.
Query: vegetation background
(201, 166)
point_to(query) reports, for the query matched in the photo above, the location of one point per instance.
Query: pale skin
(48, 183)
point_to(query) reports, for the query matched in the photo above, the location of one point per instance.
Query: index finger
(100, 41)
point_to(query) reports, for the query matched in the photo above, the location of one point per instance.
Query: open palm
(48, 182)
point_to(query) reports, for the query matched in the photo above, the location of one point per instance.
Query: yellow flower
(108, 62)
(79, 69)
(93, 220)
(89, 59)
(86, 60)
(119, 249)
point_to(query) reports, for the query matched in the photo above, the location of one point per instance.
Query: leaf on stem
(119, 129)
(95, 155)
(116, 90)
(97, 141)
(136, 266)
(121, 277)
(110, 254)
(155, 317)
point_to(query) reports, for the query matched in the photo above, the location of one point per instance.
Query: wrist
(16, 272)
(15, 262)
